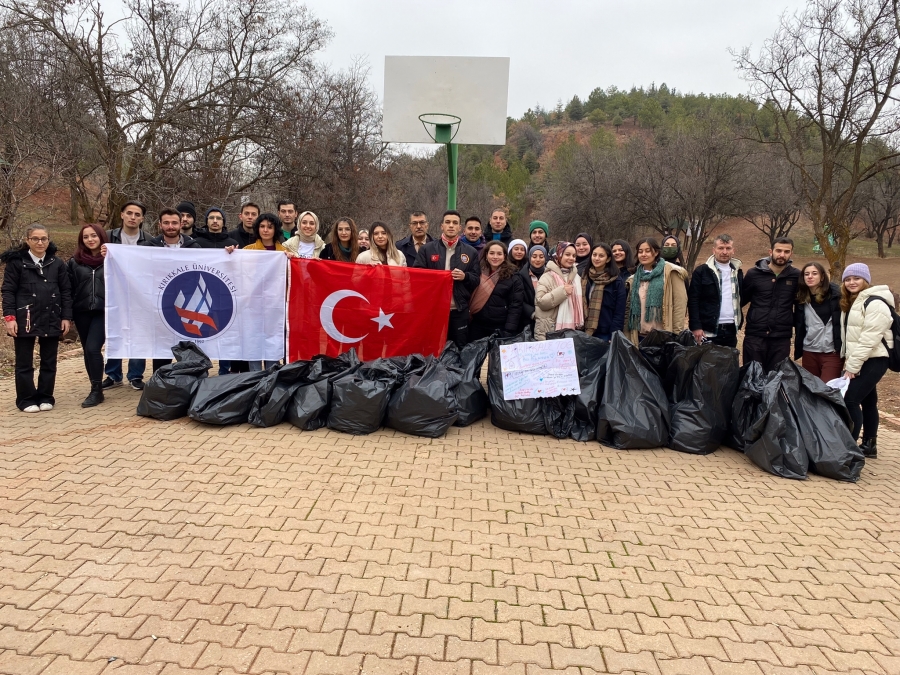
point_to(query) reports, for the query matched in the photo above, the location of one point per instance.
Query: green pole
(443, 133)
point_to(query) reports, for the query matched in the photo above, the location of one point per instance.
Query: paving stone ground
(179, 548)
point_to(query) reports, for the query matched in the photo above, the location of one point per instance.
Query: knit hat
(537, 247)
(210, 210)
(189, 208)
(514, 242)
(860, 270)
(539, 224)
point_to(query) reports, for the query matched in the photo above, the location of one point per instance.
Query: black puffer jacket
(37, 295)
(242, 237)
(834, 300)
(88, 287)
(503, 309)
(208, 239)
(772, 299)
(433, 256)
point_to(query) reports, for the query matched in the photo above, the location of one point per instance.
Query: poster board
(539, 369)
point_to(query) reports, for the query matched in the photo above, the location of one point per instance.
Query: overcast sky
(558, 48)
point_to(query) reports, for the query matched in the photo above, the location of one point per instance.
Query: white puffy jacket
(863, 328)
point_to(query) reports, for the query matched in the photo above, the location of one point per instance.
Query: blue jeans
(224, 367)
(136, 368)
(259, 365)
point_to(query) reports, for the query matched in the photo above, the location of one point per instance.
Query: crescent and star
(326, 316)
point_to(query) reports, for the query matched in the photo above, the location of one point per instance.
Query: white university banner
(231, 305)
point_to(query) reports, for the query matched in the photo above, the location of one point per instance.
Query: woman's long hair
(272, 218)
(820, 292)
(611, 269)
(391, 249)
(654, 246)
(506, 269)
(336, 242)
(848, 298)
(629, 263)
(82, 254)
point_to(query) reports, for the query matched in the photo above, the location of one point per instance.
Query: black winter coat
(505, 235)
(433, 256)
(612, 311)
(159, 242)
(834, 299)
(242, 237)
(407, 247)
(39, 295)
(503, 309)
(207, 239)
(705, 298)
(772, 300)
(115, 236)
(88, 287)
(328, 254)
(527, 318)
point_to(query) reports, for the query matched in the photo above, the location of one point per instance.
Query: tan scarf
(483, 292)
(592, 306)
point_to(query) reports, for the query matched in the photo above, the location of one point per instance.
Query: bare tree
(881, 213)
(774, 203)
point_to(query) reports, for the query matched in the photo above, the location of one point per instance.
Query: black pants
(458, 328)
(861, 398)
(726, 335)
(91, 329)
(770, 352)
(159, 363)
(26, 393)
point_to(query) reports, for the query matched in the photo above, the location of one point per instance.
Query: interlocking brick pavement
(130, 546)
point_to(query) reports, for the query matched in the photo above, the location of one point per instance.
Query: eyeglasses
(39, 240)
(418, 222)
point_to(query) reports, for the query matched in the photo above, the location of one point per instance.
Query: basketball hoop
(445, 126)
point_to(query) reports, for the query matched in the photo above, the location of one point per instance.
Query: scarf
(535, 274)
(571, 312)
(86, 258)
(592, 287)
(306, 239)
(653, 308)
(450, 243)
(483, 292)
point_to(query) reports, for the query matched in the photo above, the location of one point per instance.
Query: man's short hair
(169, 212)
(134, 202)
(783, 240)
(451, 213)
(501, 209)
(416, 214)
(724, 238)
(254, 205)
(471, 218)
(283, 202)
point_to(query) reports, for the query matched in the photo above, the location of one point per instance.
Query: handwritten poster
(539, 369)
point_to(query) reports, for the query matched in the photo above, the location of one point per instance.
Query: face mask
(669, 252)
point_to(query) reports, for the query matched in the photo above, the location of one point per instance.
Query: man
(188, 213)
(171, 237)
(450, 253)
(418, 237)
(472, 233)
(244, 234)
(500, 230)
(539, 234)
(714, 296)
(130, 234)
(287, 211)
(215, 236)
(770, 288)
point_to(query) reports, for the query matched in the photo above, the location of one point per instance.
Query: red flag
(380, 310)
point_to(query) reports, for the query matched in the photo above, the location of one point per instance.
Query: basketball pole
(443, 133)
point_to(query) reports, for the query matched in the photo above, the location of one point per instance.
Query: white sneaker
(46, 406)
(31, 408)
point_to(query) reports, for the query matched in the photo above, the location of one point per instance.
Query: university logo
(197, 304)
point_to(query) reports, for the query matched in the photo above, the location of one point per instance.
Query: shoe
(95, 397)
(44, 407)
(31, 408)
(109, 383)
(869, 449)
(137, 384)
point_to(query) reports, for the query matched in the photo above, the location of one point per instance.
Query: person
(37, 306)
(496, 305)
(584, 246)
(472, 234)
(188, 213)
(383, 251)
(558, 301)
(817, 334)
(85, 270)
(671, 251)
(461, 260)
(243, 234)
(656, 296)
(171, 237)
(130, 234)
(539, 235)
(363, 240)
(531, 275)
(306, 243)
(344, 245)
(287, 213)
(268, 232)
(603, 293)
(499, 227)
(214, 234)
(517, 250)
(714, 296)
(624, 257)
(418, 236)
(770, 288)
(866, 337)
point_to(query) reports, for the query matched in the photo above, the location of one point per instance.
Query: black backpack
(893, 354)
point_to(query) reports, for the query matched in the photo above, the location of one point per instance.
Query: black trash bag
(779, 447)
(450, 355)
(590, 354)
(525, 415)
(308, 408)
(226, 399)
(275, 392)
(424, 405)
(167, 394)
(748, 408)
(359, 399)
(705, 381)
(634, 410)
(659, 348)
(471, 398)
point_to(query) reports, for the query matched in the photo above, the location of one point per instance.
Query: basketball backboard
(475, 89)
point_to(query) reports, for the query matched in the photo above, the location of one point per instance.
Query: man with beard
(287, 211)
(188, 214)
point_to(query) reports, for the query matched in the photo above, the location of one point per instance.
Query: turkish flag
(380, 310)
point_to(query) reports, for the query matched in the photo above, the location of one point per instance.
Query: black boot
(868, 447)
(95, 397)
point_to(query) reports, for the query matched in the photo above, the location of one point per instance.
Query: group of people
(501, 285)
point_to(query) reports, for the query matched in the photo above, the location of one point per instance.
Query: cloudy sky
(558, 48)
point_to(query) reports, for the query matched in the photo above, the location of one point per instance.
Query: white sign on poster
(539, 369)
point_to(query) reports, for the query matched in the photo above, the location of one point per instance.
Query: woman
(656, 296)
(866, 334)
(584, 244)
(496, 304)
(344, 246)
(604, 294)
(818, 323)
(518, 253)
(268, 234)
(671, 251)
(306, 243)
(383, 251)
(37, 305)
(88, 305)
(558, 294)
(624, 258)
(363, 240)
(531, 274)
